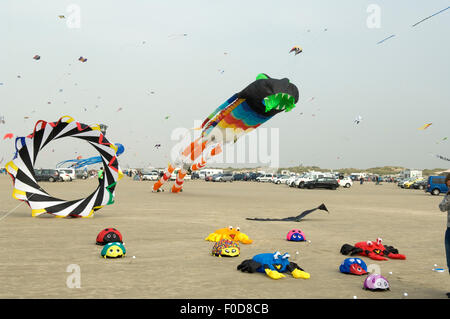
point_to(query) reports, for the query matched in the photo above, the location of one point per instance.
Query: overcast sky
(132, 50)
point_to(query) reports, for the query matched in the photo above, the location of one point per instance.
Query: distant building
(408, 173)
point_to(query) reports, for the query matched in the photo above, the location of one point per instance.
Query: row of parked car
(59, 175)
(314, 180)
(434, 185)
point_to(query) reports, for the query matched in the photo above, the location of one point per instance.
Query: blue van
(436, 185)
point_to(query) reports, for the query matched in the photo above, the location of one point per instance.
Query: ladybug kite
(374, 250)
(109, 235)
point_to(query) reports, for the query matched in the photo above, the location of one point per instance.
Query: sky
(137, 47)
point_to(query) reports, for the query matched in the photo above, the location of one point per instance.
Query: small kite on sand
(294, 218)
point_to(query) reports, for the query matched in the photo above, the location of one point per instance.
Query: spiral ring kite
(21, 169)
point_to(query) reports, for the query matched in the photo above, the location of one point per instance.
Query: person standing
(100, 173)
(444, 206)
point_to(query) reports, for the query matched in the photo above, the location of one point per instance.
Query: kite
(385, 39)
(175, 36)
(61, 17)
(443, 158)
(113, 250)
(376, 282)
(372, 249)
(79, 162)
(424, 127)
(430, 16)
(229, 233)
(167, 117)
(358, 119)
(82, 59)
(226, 248)
(294, 218)
(296, 235)
(109, 235)
(21, 169)
(2, 119)
(8, 135)
(157, 145)
(273, 265)
(37, 57)
(119, 109)
(296, 49)
(240, 114)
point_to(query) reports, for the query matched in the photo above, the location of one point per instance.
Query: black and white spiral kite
(21, 169)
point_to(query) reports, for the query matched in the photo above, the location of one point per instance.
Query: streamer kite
(424, 127)
(239, 115)
(430, 16)
(294, 218)
(21, 169)
(79, 162)
(385, 39)
(443, 157)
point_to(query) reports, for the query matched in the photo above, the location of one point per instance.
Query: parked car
(69, 171)
(150, 175)
(403, 182)
(436, 185)
(195, 175)
(81, 174)
(214, 177)
(345, 182)
(307, 177)
(265, 178)
(281, 179)
(225, 177)
(64, 177)
(238, 177)
(51, 175)
(409, 183)
(422, 184)
(323, 182)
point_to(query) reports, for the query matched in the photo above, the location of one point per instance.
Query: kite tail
(164, 178)
(176, 188)
(215, 151)
(195, 149)
(199, 165)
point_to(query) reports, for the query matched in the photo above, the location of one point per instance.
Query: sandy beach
(165, 232)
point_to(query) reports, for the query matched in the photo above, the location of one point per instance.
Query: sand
(165, 232)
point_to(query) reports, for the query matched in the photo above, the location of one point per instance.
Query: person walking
(444, 206)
